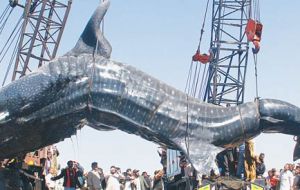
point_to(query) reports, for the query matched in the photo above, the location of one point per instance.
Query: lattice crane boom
(227, 70)
(42, 29)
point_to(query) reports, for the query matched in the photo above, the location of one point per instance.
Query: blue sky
(159, 38)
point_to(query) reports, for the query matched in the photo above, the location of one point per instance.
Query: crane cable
(10, 39)
(4, 19)
(12, 58)
(203, 25)
(197, 73)
(4, 13)
(256, 10)
(193, 90)
(256, 75)
(90, 84)
(199, 45)
(256, 16)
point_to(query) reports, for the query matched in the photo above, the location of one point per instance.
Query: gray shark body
(87, 88)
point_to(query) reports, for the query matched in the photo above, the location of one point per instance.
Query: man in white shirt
(286, 178)
(113, 179)
(94, 178)
(137, 180)
(49, 183)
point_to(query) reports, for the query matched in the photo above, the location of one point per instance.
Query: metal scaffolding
(42, 29)
(227, 70)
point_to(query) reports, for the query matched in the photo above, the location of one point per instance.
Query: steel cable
(11, 35)
(11, 60)
(5, 21)
(4, 13)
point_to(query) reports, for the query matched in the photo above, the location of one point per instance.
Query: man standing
(147, 180)
(158, 183)
(113, 179)
(286, 178)
(70, 177)
(139, 181)
(50, 184)
(94, 177)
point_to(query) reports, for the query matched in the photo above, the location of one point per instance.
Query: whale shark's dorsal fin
(87, 42)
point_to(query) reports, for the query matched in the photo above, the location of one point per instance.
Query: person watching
(94, 178)
(260, 166)
(286, 178)
(70, 176)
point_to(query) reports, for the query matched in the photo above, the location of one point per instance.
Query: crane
(227, 71)
(219, 76)
(222, 81)
(36, 35)
(42, 29)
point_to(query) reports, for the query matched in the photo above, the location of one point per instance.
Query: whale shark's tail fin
(92, 40)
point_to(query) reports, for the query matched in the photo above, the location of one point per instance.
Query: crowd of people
(242, 163)
(47, 175)
(96, 179)
(287, 178)
(73, 176)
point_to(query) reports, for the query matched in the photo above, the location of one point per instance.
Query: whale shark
(85, 87)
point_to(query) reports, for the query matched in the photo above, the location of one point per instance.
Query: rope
(197, 81)
(256, 75)
(89, 101)
(203, 81)
(187, 136)
(103, 23)
(242, 123)
(188, 80)
(194, 81)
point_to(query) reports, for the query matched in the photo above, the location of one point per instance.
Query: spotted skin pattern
(87, 88)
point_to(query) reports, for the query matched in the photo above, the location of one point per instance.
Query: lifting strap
(203, 58)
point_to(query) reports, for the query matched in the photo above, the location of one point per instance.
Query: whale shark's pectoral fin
(87, 42)
(201, 154)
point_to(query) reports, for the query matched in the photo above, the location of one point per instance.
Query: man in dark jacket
(70, 176)
(147, 180)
